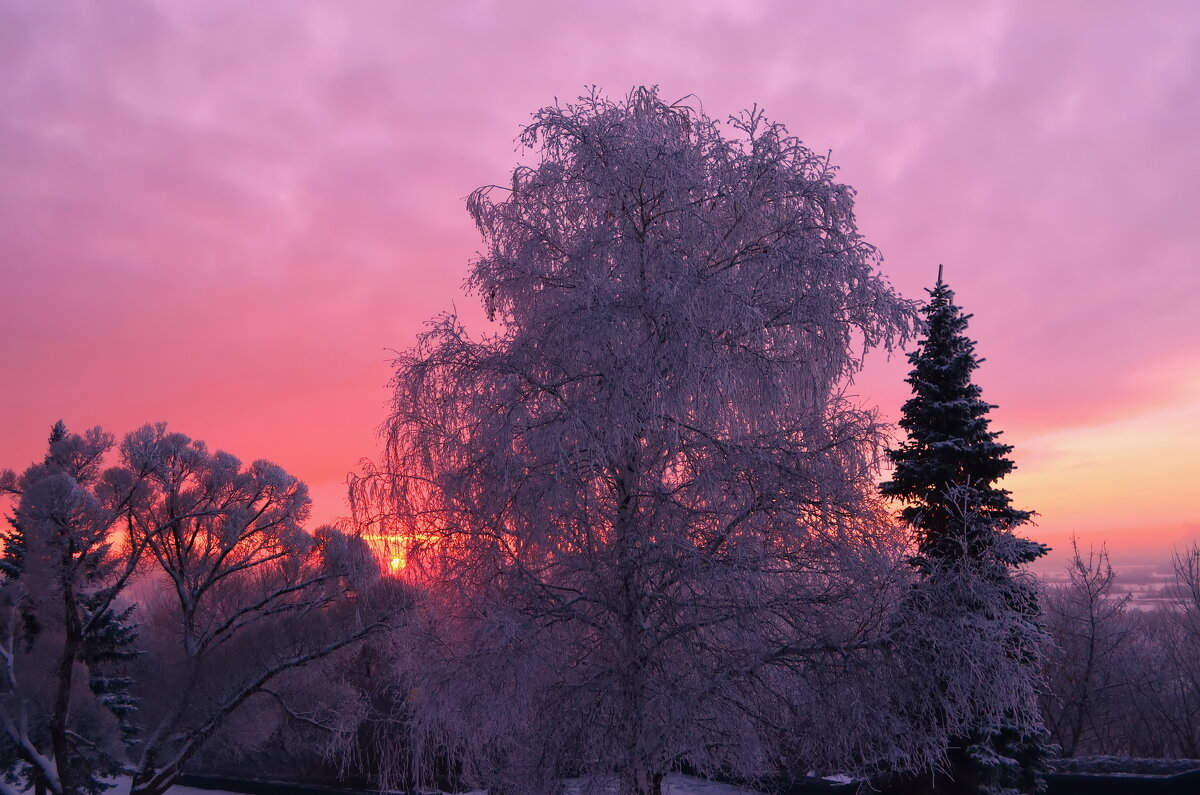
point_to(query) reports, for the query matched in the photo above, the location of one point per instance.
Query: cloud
(222, 213)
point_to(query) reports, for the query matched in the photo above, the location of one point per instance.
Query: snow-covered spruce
(971, 624)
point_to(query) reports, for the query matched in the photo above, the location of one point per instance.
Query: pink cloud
(222, 214)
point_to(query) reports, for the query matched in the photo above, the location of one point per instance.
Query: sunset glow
(229, 216)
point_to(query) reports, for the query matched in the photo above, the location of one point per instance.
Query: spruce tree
(969, 589)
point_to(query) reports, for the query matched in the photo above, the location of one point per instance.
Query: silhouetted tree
(1176, 699)
(248, 595)
(1088, 668)
(239, 597)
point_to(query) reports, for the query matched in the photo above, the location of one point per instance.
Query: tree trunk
(647, 783)
(60, 742)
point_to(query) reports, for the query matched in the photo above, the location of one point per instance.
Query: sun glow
(395, 550)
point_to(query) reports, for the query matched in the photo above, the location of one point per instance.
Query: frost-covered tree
(64, 636)
(234, 596)
(974, 615)
(643, 503)
(242, 594)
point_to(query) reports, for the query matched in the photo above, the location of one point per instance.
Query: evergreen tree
(973, 614)
(951, 459)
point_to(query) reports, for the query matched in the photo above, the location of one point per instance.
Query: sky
(229, 216)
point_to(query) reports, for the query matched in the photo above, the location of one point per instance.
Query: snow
(122, 788)
(686, 785)
(673, 784)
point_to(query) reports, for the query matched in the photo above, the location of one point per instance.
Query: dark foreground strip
(1079, 784)
(258, 787)
(1058, 784)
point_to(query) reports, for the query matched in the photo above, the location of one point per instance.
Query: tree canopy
(240, 595)
(645, 500)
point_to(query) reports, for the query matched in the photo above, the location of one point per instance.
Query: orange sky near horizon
(225, 215)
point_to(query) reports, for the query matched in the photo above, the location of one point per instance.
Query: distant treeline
(1123, 681)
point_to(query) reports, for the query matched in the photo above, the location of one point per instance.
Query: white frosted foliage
(643, 504)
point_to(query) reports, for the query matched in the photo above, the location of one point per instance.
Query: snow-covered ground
(122, 788)
(686, 785)
(674, 784)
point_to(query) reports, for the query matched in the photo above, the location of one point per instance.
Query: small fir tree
(970, 593)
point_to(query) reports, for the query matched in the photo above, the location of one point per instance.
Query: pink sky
(224, 214)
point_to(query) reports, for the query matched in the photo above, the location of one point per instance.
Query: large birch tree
(644, 501)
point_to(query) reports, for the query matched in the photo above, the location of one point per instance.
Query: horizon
(224, 218)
